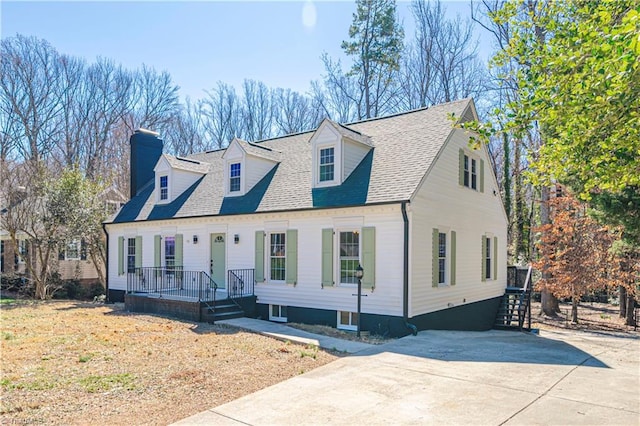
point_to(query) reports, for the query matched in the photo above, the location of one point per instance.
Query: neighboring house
(73, 262)
(404, 196)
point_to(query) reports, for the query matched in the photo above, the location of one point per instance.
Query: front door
(218, 270)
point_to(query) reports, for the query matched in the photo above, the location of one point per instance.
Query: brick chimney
(146, 149)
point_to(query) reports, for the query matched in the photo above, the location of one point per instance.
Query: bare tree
(257, 111)
(184, 134)
(442, 64)
(221, 114)
(294, 112)
(30, 90)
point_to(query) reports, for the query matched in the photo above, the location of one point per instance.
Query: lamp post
(359, 274)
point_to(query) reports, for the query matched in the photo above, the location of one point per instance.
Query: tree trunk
(630, 310)
(549, 302)
(623, 301)
(575, 300)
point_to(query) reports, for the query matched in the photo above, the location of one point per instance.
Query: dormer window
(234, 177)
(326, 164)
(164, 187)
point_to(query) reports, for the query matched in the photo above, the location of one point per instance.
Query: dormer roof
(347, 132)
(186, 164)
(256, 150)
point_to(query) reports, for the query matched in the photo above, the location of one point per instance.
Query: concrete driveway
(447, 377)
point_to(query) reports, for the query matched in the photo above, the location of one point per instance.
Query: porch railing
(172, 281)
(240, 283)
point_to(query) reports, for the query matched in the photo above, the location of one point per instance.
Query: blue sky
(200, 43)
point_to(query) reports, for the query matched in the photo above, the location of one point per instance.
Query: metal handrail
(172, 282)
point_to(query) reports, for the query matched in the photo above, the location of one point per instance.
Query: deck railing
(174, 282)
(240, 283)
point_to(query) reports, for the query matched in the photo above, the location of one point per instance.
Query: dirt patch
(601, 317)
(83, 363)
(324, 330)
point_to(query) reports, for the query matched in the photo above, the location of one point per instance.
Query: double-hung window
(277, 257)
(349, 256)
(131, 255)
(170, 253)
(442, 257)
(474, 174)
(234, 177)
(327, 163)
(487, 258)
(164, 187)
(72, 251)
(471, 172)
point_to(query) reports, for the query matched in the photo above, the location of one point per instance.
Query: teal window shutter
(481, 175)
(179, 245)
(369, 257)
(291, 262)
(495, 258)
(120, 255)
(484, 258)
(259, 261)
(461, 167)
(435, 265)
(327, 257)
(453, 258)
(157, 253)
(138, 263)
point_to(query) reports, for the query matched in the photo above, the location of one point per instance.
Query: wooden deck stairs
(514, 312)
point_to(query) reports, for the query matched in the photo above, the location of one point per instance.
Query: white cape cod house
(287, 221)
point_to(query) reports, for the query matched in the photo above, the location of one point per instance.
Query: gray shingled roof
(405, 146)
(187, 164)
(259, 150)
(350, 133)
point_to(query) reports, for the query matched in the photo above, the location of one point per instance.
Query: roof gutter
(106, 265)
(405, 275)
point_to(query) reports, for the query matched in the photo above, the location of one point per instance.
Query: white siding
(353, 153)
(387, 220)
(256, 169)
(182, 180)
(442, 203)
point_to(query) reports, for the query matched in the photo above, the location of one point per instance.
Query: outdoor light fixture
(195, 239)
(236, 238)
(359, 274)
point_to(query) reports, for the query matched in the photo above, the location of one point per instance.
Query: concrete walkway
(286, 333)
(445, 377)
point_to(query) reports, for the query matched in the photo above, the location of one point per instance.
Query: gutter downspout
(106, 265)
(405, 275)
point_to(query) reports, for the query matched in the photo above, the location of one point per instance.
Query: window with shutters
(488, 258)
(131, 255)
(471, 171)
(442, 258)
(349, 246)
(277, 256)
(170, 253)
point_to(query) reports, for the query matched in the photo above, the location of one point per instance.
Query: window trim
(349, 327)
(471, 170)
(337, 164)
(332, 164)
(165, 241)
(128, 254)
(163, 190)
(280, 318)
(78, 245)
(338, 260)
(268, 255)
(233, 178)
(488, 257)
(446, 258)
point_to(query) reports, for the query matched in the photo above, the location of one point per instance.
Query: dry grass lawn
(83, 363)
